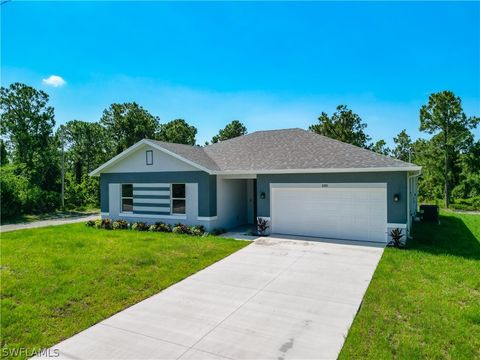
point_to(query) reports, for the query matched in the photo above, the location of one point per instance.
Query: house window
(178, 199)
(127, 198)
(149, 157)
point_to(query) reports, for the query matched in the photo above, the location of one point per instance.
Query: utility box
(429, 213)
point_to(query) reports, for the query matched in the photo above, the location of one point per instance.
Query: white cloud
(54, 80)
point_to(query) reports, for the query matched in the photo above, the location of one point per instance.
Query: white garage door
(338, 211)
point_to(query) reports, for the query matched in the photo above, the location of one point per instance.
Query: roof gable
(288, 150)
(120, 162)
(296, 150)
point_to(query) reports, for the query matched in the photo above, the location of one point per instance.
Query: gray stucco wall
(207, 186)
(396, 184)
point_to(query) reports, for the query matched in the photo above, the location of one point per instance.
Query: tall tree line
(31, 150)
(450, 158)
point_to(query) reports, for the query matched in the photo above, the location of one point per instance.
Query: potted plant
(262, 226)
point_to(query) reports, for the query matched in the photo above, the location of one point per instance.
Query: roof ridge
(361, 148)
(252, 133)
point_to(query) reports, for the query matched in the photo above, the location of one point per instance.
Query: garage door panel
(344, 213)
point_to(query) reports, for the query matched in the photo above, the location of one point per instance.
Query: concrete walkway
(51, 222)
(274, 299)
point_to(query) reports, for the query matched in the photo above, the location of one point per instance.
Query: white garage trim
(361, 213)
(329, 185)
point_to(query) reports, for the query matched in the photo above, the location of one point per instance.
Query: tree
(85, 146)
(27, 122)
(127, 124)
(444, 117)
(469, 177)
(3, 153)
(403, 146)
(381, 147)
(426, 154)
(343, 125)
(178, 131)
(232, 130)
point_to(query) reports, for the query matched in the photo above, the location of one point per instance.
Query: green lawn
(424, 302)
(57, 281)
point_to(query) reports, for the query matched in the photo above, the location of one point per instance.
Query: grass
(57, 281)
(59, 214)
(424, 302)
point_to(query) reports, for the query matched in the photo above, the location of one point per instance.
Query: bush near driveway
(59, 280)
(424, 302)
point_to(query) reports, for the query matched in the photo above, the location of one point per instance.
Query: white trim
(240, 176)
(132, 148)
(393, 225)
(172, 198)
(168, 217)
(142, 142)
(104, 214)
(146, 157)
(125, 197)
(120, 156)
(331, 186)
(180, 157)
(321, 170)
(207, 218)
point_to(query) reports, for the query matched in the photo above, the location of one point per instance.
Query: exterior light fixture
(396, 198)
(262, 195)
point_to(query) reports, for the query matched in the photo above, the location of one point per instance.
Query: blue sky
(270, 65)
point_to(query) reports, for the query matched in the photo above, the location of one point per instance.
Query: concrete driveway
(275, 299)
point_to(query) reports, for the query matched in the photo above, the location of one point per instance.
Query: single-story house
(302, 183)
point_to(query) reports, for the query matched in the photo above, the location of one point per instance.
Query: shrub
(122, 224)
(470, 204)
(107, 224)
(181, 229)
(162, 227)
(140, 226)
(11, 186)
(98, 224)
(197, 230)
(40, 201)
(152, 228)
(90, 223)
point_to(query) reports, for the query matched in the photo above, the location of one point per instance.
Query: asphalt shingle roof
(282, 150)
(195, 154)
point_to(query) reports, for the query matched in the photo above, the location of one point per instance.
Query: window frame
(172, 199)
(146, 157)
(125, 197)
